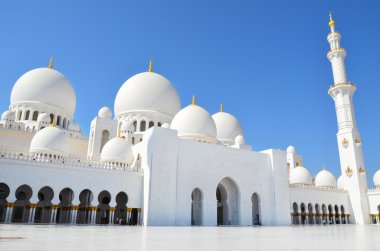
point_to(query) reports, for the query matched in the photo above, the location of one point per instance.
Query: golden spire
(150, 69)
(51, 62)
(193, 100)
(221, 107)
(331, 23)
(323, 167)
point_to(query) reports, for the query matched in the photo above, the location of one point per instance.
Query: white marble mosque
(154, 163)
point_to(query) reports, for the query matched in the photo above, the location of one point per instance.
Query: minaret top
(221, 107)
(332, 23)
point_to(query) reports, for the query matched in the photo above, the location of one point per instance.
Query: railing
(341, 84)
(68, 161)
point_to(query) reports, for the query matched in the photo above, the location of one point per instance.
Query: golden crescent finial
(221, 107)
(323, 167)
(51, 62)
(150, 69)
(193, 100)
(331, 23)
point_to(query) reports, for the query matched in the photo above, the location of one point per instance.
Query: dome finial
(221, 107)
(193, 100)
(51, 62)
(331, 23)
(323, 167)
(150, 69)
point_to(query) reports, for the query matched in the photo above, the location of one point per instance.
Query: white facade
(159, 165)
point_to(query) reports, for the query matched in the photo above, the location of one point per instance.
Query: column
(112, 214)
(32, 213)
(139, 216)
(74, 214)
(8, 215)
(53, 214)
(93, 215)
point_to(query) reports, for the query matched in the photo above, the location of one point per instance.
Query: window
(35, 116)
(142, 126)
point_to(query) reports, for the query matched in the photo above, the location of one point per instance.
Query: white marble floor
(44, 237)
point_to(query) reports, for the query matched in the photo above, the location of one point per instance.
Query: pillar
(8, 215)
(74, 214)
(32, 213)
(112, 214)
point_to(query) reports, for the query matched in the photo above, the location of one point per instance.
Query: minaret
(349, 142)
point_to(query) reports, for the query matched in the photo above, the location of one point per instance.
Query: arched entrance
(66, 196)
(103, 209)
(196, 207)
(295, 214)
(303, 214)
(121, 208)
(256, 219)
(331, 218)
(43, 210)
(317, 215)
(85, 209)
(227, 196)
(310, 217)
(4, 193)
(22, 204)
(337, 218)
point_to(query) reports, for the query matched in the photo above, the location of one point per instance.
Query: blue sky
(266, 60)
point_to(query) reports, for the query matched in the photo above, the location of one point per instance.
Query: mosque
(152, 163)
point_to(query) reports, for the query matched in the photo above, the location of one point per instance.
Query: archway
(22, 204)
(256, 219)
(43, 209)
(4, 193)
(103, 209)
(317, 215)
(66, 196)
(331, 220)
(227, 195)
(295, 214)
(303, 214)
(324, 214)
(310, 214)
(196, 207)
(343, 215)
(104, 139)
(337, 219)
(121, 208)
(84, 209)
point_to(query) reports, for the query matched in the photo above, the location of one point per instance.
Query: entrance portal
(227, 196)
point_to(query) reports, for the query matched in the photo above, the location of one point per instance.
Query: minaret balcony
(341, 85)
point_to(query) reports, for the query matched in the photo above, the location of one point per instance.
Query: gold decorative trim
(361, 170)
(349, 171)
(358, 141)
(345, 142)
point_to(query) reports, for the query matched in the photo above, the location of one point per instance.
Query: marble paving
(58, 237)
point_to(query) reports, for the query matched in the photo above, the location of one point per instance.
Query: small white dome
(105, 112)
(240, 140)
(147, 91)
(127, 126)
(117, 150)
(165, 125)
(44, 118)
(291, 150)
(74, 126)
(8, 116)
(325, 179)
(194, 122)
(50, 140)
(342, 181)
(47, 86)
(227, 126)
(376, 179)
(300, 175)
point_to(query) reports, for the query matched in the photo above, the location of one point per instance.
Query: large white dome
(227, 127)
(300, 175)
(376, 179)
(117, 150)
(194, 122)
(147, 91)
(45, 85)
(325, 179)
(50, 140)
